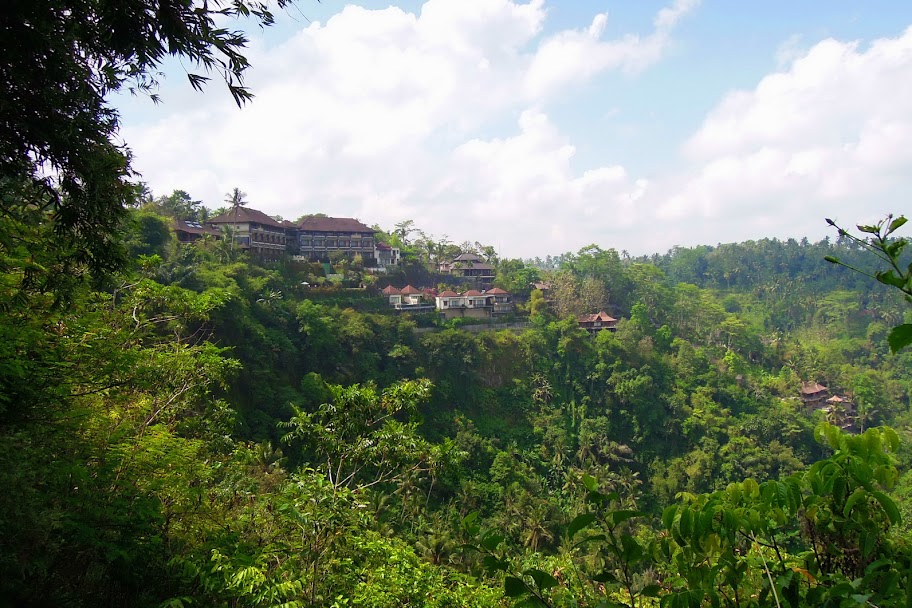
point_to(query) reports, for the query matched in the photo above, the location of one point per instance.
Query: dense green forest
(182, 425)
(200, 429)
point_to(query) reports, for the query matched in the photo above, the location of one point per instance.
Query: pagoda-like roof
(389, 290)
(467, 257)
(811, 388)
(497, 291)
(448, 294)
(408, 290)
(473, 292)
(599, 316)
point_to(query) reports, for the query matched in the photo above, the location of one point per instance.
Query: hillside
(201, 429)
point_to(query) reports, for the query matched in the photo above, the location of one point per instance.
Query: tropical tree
(60, 59)
(235, 200)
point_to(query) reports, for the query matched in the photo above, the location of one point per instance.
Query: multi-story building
(254, 231)
(320, 236)
(469, 265)
(386, 255)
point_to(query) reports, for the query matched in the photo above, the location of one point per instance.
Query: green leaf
(543, 580)
(867, 543)
(514, 587)
(579, 522)
(896, 224)
(900, 337)
(888, 505)
(490, 541)
(469, 525)
(857, 495)
(605, 577)
(686, 523)
(589, 539)
(668, 516)
(619, 516)
(889, 277)
(632, 552)
(650, 590)
(492, 564)
(590, 482)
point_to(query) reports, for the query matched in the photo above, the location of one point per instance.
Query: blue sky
(540, 127)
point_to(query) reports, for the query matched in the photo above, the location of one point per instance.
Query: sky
(541, 127)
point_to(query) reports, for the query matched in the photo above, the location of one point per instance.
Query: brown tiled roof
(245, 215)
(333, 224)
(497, 291)
(473, 292)
(289, 224)
(809, 388)
(599, 316)
(409, 290)
(836, 399)
(448, 294)
(383, 246)
(391, 291)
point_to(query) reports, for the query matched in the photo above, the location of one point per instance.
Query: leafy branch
(888, 250)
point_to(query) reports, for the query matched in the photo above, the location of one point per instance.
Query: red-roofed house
(597, 322)
(501, 301)
(448, 299)
(253, 231)
(394, 295)
(408, 298)
(320, 236)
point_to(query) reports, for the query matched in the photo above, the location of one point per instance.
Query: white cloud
(525, 185)
(827, 137)
(573, 56)
(386, 115)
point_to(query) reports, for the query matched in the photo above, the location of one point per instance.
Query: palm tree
(537, 526)
(235, 200)
(435, 547)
